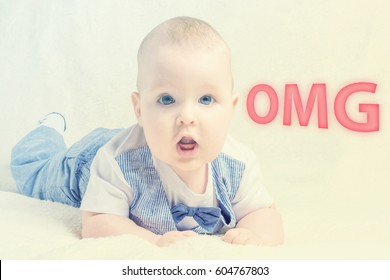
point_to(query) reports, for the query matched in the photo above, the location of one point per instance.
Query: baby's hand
(172, 237)
(241, 236)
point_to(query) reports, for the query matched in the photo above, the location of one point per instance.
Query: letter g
(372, 110)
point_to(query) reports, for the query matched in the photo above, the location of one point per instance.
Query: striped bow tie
(206, 217)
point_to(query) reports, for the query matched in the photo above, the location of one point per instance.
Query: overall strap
(227, 174)
(150, 208)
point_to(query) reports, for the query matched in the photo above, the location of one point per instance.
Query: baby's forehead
(170, 53)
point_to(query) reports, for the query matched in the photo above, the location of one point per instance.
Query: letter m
(292, 96)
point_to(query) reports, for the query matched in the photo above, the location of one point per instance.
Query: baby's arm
(260, 227)
(102, 225)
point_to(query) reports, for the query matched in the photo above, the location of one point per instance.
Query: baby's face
(185, 104)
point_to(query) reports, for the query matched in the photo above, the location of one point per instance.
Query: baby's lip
(187, 140)
(187, 143)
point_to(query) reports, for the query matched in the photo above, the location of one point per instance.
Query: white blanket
(332, 186)
(34, 229)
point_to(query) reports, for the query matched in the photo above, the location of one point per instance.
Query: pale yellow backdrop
(331, 185)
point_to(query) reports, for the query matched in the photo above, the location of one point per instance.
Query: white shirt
(108, 191)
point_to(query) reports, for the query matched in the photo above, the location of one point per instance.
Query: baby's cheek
(214, 148)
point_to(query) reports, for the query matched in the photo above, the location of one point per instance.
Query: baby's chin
(188, 164)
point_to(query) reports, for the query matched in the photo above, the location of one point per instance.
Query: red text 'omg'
(292, 98)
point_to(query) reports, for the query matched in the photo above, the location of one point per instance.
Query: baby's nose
(186, 116)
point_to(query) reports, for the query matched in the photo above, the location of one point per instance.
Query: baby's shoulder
(126, 139)
(238, 150)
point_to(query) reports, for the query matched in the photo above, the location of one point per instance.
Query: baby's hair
(183, 31)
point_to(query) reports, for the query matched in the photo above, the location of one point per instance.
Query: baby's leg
(36, 159)
(44, 168)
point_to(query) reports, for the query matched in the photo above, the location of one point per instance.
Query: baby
(174, 174)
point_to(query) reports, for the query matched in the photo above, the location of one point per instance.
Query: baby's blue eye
(206, 100)
(166, 100)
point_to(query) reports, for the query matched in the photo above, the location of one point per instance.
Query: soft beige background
(331, 185)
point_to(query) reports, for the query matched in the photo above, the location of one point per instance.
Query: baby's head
(185, 97)
(183, 33)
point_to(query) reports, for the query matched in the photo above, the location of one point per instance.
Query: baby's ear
(235, 99)
(135, 99)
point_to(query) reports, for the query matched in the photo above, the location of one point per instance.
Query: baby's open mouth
(187, 143)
